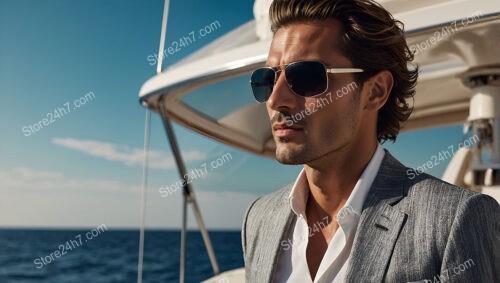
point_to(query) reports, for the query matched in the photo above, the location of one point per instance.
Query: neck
(332, 178)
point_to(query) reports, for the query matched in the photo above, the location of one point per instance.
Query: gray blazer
(420, 229)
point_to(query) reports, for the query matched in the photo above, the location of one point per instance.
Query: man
(336, 86)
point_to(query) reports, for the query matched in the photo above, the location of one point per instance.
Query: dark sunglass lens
(262, 82)
(306, 78)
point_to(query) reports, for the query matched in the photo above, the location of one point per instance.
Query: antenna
(147, 127)
(188, 194)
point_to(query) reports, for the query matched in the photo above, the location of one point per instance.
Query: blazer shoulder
(433, 198)
(432, 189)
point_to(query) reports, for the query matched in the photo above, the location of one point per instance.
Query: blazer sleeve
(472, 250)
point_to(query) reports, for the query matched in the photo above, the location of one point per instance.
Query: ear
(380, 86)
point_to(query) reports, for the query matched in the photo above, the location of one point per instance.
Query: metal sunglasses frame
(328, 70)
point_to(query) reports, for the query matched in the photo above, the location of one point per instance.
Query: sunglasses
(304, 78)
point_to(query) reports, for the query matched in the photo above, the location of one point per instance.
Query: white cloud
(29, 174)
(125, 154)
(60, 201)
(223, 210)
(32, 180)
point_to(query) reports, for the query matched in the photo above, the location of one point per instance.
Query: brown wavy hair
(372, 39)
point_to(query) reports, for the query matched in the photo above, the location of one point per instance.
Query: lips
(285, 131)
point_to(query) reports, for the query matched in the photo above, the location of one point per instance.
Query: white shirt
(292, 262)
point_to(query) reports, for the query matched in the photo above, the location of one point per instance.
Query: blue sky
(84, 169)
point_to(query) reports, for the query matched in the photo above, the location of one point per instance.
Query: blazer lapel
(379, 225)
(278, 220)
(284, 224)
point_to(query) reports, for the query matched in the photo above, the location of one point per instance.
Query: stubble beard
(293, 153)
(299, 154)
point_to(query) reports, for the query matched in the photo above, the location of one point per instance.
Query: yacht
(456, 45)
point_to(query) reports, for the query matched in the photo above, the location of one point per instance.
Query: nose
(281, 97)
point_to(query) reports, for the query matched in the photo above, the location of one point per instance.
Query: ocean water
(110, 255)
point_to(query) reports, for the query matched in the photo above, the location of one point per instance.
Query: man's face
(308, 128)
